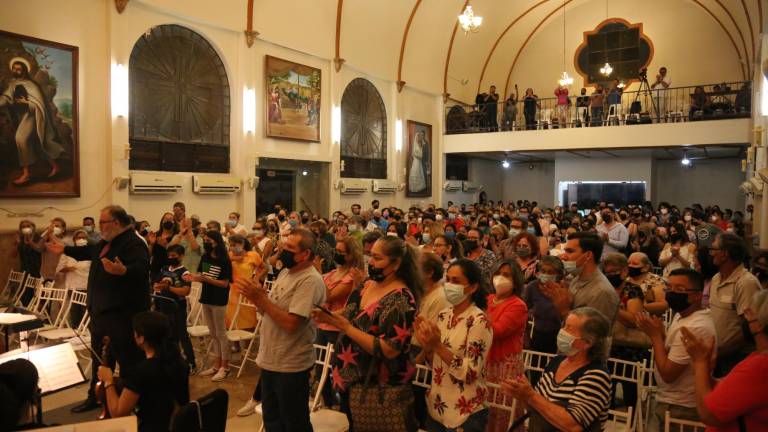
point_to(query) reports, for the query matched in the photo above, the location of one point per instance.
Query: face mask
(173, 262)
(376, 274)
(678, 302)
(258, 233)
(730, 230)
(351, 228)
(565, 342)
(451, 216)
(232, 223)
(470, 245)
(305, 220)
(88, 228)
(81, 242)
(450, 234)
(514, 232)
(544, 278)
(523, 252)
(496, 216)
(208, 247)
(168, 225)
(57, 231)
(287, 258)
(531, 231)
(425, 238)
(293, 223)
(237, 250)
(281, 217)
(454, 293)
(438, 217)
(607, 218)
(687, 218)
(392, 234)
(502, 284)
(635, 271)
(26, 230)
(145, 232)
(675, 237)
(615, 279)
(339, 258)
(572, 268)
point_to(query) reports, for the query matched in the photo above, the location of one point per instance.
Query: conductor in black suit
(118, 289)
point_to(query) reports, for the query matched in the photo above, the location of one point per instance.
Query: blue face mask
(454, 293)
(565, 342)
(546, 277)
(450, 234)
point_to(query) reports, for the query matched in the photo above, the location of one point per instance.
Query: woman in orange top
(339, 282)
(509, 315)
(246, 264)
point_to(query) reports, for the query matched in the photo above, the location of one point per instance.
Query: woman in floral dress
(457, 346)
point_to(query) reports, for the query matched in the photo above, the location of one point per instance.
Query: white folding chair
(536, 361)
(193, 302)
(629, 373)
(614, 115)
(52, 304)
(195, 328)
(669, 315)
(545, 119)
(13, 284)
(32, 283)
(619, 421)
(580, 117)
(240, 335)
(496, 398)
(648, 392)
(63, 330)
(678, 425)
(423, 376)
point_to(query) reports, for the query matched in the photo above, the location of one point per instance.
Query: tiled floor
(56, 406)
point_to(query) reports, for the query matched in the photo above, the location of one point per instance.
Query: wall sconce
(119, 90)
(336, 124)
(249, 110)
(399, 135)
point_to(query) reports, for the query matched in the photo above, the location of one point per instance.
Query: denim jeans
(284, 401)
(474, 423)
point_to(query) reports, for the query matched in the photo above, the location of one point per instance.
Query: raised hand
(115, 267)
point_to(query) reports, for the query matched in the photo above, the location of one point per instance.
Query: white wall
(485, 172)
(533, 184)
(575, 168)
(709, 181)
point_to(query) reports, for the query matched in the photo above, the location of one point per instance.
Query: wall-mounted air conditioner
(353, 186)
(757, 185)
(215, 184)
(384, 186)
(155, 183)
(746, 187)
(470, 186)
(452, 185)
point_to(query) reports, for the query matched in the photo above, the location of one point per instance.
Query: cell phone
(324, 309)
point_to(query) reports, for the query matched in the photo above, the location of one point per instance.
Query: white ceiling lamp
(685, 161)
(607, 69)
(622, 84)
(505, 164)
(469, 22)
(565, 79)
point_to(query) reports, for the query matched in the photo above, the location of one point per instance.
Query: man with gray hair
(286, 336)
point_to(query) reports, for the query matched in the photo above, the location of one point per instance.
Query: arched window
(363, 131)
(179, 103)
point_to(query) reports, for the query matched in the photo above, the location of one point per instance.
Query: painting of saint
(38, 118)
(419, 165)
(293, 100)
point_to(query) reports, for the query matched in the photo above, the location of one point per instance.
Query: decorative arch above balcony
(618, 42)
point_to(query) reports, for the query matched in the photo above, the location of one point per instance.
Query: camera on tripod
(643, 74)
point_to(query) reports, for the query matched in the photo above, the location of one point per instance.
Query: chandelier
(565, 80)
(469, 22)
(607, 69)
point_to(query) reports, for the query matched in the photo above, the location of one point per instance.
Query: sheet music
(15, 318)
(56, 365)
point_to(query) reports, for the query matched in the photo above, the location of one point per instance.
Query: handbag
(382, 408)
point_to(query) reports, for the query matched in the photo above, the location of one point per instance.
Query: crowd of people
(462, 289)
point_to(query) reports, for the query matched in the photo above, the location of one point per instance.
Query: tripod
(645, 90)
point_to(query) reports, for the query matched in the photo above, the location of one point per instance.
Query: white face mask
(392, 234)
(438, 217)
(26, 230)
(81, 242)
(502, 284)
(565, 342)
(514, 232)
(88, 228)
(57, 231)
(454, 293)
(258, 233)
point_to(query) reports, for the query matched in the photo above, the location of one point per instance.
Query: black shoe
(87, 405)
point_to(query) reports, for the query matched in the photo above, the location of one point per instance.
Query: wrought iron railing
(678, 104)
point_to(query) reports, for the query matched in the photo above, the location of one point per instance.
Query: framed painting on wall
(419, 163)
(293, 100)
(38, 118)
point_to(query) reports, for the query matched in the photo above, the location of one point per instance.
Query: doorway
(275, 187)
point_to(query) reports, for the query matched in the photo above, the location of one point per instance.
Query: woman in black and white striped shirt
(574, 393)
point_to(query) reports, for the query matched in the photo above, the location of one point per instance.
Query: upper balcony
(681, 116)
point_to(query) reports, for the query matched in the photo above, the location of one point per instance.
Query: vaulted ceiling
(419, 43)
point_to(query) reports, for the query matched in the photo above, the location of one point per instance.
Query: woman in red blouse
(509, 315)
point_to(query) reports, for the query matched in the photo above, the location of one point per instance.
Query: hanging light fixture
(565, 79)
(607, 69)
(469, 22)
(505, 164)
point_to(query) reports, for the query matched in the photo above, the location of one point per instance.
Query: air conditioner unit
(215, 184)
(746, 187)
(384, 186)
(470, 186)
(155, 183)
(757, 185)
(353, 187)
(452, 185)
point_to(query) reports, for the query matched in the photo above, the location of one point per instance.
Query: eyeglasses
(102, 222)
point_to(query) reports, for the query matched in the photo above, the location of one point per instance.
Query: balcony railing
(678, 104)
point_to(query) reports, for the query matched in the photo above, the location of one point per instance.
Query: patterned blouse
(391, 320)
(486, 260)
(651, 280)
(458, 389)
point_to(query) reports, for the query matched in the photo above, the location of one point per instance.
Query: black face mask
(675, 237)
(287, 258)
(339, 258)
(376, 274)
(635, 271)
(144, 232)
(281, 217)
(678, 302)
(470, 245)
(167, 225)
(615, 279)
(607, 218)
(173, 261)
(304, 220)
(461, 237)
(207, 247)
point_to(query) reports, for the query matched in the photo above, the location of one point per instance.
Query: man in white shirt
(659, 87)
(674, 370)
(614, 235)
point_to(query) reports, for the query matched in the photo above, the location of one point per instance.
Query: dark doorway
(275, 187)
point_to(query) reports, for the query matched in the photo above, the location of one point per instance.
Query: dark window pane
(363, 131)
(456, 167)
